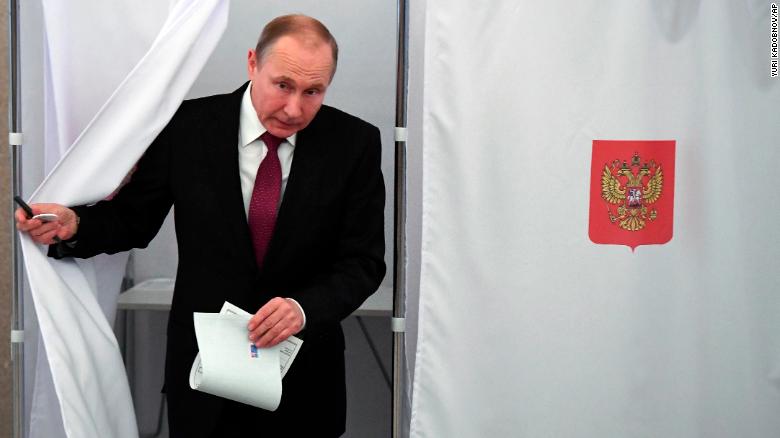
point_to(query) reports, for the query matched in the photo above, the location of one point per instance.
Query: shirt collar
(250, 128)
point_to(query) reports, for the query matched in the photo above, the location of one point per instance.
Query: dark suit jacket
(327, 251)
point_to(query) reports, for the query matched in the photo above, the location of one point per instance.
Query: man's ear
(251, 62)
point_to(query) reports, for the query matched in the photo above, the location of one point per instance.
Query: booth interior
(364, 85)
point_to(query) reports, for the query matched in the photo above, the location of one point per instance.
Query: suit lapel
(224, 156)
(304, 174)
(306, 166)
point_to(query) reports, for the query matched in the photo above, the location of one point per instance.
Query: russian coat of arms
(631, 189)
(633, 180)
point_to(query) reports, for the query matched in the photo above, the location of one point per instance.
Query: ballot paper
(230, 366)
(288, 348)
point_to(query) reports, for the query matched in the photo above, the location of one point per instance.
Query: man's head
(290, 69)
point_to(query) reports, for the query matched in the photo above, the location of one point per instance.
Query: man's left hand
(277, 320)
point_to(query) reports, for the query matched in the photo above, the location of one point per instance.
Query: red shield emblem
(632, 192)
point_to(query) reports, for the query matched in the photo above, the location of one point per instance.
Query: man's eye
(313, 92)
(283, 85)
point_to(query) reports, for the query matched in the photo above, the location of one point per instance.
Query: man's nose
(292, 107)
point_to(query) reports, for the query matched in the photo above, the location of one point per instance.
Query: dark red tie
(265, 197)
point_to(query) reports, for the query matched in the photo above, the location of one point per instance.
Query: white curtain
(526, 327)
(146, 81)
(78, 79)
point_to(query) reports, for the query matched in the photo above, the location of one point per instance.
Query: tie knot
(271, 141)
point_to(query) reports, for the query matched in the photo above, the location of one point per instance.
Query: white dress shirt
(251, 152)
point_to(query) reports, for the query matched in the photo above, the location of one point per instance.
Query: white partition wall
(529, 329)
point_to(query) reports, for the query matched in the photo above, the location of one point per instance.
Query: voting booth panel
(563, 292)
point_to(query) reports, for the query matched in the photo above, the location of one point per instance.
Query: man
(295, 236)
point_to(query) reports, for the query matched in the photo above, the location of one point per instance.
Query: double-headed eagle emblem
(632, 188)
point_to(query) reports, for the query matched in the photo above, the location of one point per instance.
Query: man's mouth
(287, 124)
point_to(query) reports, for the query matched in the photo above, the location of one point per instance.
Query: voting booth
(73, 84)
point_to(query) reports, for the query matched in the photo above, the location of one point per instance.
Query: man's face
(288, 86)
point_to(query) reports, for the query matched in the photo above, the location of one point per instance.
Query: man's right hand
(63, 228)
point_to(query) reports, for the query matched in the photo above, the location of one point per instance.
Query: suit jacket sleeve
(133, 217)
(357, 266)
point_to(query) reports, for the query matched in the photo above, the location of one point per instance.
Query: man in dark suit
(278, 209)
